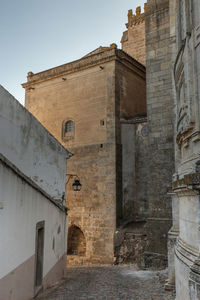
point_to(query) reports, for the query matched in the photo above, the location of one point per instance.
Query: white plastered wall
(22, 206)
(30, 147)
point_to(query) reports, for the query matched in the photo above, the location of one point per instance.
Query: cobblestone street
(109, 283)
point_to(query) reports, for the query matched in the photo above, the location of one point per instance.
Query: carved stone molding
(186, 253)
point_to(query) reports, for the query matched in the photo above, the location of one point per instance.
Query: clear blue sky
(39, 34)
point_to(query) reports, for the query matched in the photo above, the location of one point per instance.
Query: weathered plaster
(26, 143)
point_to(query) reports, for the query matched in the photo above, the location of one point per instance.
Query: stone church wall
(149, 32)
(93, 92)
(93, 209)
(160, 126)
(135, 154)
(131, 237)
(87, 98)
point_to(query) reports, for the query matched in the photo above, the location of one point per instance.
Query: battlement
(133, 39)
(137, 18)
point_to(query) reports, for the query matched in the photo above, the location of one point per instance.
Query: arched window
(68, 130)
(76, 241)
(69, 126)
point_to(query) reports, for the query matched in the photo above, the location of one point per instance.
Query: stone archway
(76, 241)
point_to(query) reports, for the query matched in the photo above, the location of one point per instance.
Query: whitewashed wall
(32, 175)
(28, 145)
(22, 206)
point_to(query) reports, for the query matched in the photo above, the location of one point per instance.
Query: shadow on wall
(76, 241)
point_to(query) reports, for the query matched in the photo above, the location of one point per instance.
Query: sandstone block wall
(93, 92)
(93, 209)
(87, 98)
(82, 98)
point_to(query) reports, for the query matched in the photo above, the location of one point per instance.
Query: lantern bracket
(76, 185)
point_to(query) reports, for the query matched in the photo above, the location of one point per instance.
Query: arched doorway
(76, 241)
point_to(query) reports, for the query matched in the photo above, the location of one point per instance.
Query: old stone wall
(160, 125)
(134, 134)
(153, 153)
(92, 94)
(131, 88)
(133, 39)
(82, 98)
(86, 98)
(93, 209)
(131, 235)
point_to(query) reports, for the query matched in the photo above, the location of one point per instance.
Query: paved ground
(109, 283)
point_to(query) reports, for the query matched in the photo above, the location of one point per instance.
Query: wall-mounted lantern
(76, 184)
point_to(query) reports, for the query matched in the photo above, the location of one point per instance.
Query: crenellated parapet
(133, 39)
(137, 18)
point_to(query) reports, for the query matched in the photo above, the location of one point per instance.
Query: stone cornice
(84, 63)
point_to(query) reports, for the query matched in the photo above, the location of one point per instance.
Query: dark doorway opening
(76, 241)
(39, 256)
